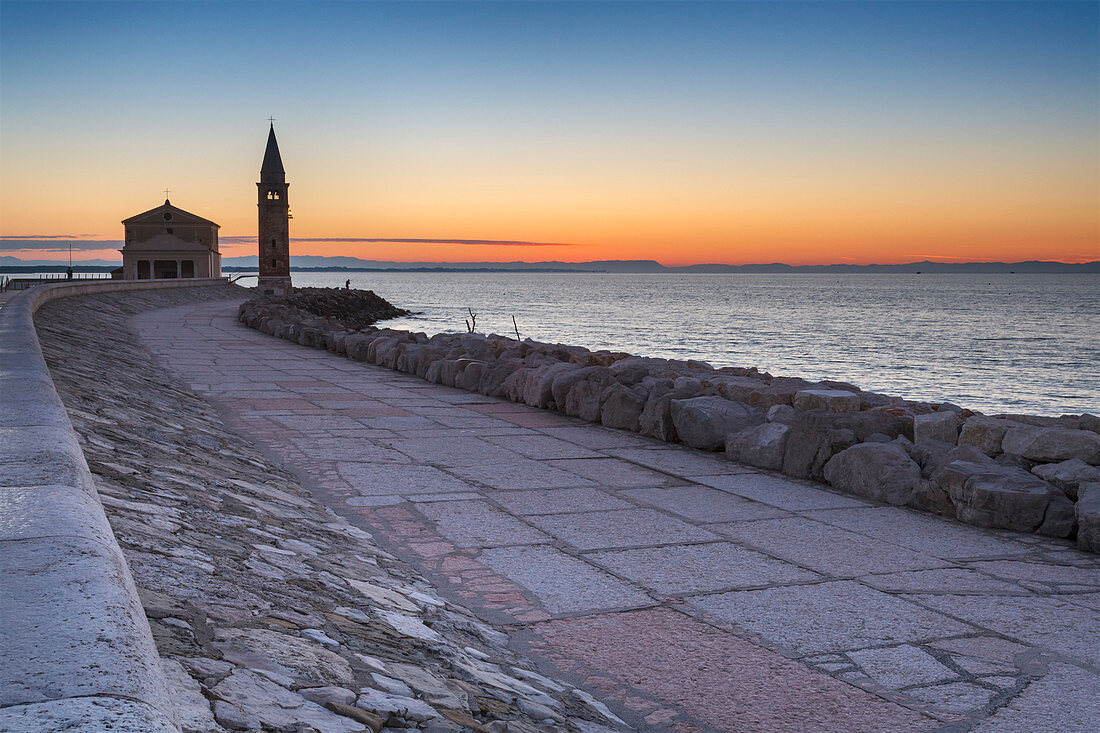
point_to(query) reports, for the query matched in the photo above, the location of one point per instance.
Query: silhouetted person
(68, 273)
(347, 284)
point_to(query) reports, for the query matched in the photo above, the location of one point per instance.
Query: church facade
(274, 223)
(168, 242)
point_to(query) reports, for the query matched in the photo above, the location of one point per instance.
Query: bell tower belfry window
(274, 222)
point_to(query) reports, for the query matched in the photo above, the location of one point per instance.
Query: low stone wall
(1018, 472)
(78, 654)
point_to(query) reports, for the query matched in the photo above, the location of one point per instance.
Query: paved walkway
(689, 592)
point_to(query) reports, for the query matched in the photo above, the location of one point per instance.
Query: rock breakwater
(271, 612)
(1018, 472)
(328, 307)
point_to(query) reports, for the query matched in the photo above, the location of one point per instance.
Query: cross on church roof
(165, 193)
(271, 120)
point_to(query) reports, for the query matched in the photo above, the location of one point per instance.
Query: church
(168, 242)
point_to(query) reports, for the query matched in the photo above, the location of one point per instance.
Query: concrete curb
(78, 654)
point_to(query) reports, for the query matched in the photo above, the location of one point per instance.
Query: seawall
(1018, 472)
(78, 651)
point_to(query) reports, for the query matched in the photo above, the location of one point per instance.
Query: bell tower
(274, 231)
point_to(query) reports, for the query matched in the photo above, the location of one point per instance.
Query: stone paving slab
(777, 491)
(1066, 699)
(614, 472)
(558, 501)
(828, 617)
(827, 549)
(561, 582)
(1065, 628)
(372, 479)
(690, 569)
(935, 536)
(620, 528)
(703, 504)
(676, 460)
(561, 528)
(479, 524)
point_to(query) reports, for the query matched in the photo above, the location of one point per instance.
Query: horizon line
(445, 263)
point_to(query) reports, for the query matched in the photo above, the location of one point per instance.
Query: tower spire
(273, 162)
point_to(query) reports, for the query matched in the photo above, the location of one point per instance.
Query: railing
(22, 283)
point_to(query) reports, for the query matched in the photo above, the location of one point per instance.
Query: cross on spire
(166, 193)
(271, 120)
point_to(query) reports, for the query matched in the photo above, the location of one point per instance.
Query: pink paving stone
(718, 678)
(278, 404)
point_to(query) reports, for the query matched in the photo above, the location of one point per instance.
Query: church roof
(273, 162)
(178, 215)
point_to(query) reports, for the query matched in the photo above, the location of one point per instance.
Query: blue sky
(459, 119)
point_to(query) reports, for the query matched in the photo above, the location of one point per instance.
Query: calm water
(997, 343)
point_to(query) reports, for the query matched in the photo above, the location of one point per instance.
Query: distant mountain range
(13, 265)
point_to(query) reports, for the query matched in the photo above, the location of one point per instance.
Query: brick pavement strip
(861, 605)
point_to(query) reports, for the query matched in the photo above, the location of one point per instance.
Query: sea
(1006, 343)
(995, 343)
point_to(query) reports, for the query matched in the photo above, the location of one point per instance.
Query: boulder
(760, 445)
(784, 414)
(939, 426)
(515, 385)
(621, 406)
(879, 471)
(1089, 422)
(985, 433)
(1060, 519)
(1088, 516)
(449, 369)
(470, 377)
(494, 373)
(1067, 475)
(539, 391)
(933, 455)
(1052, 444)
(656, 417)
(1012, 459)
(991, 495)
(356, 346)
(631, 371)
(739, 389)
(583, 398)
(778, 391)
(703, 422)
(832, 400)
(817, 436)
(562, 383)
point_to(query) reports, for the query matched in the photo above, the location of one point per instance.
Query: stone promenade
(687, 592)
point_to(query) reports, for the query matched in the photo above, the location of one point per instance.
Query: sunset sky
(731, 132)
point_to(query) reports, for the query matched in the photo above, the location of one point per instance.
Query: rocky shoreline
(1019, 472)
(269, 611)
